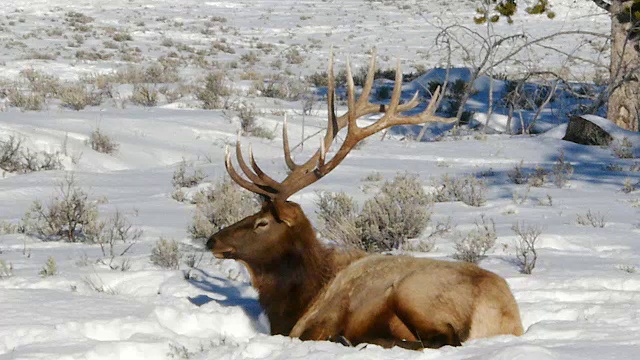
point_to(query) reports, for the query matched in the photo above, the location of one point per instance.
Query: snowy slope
(581, 302)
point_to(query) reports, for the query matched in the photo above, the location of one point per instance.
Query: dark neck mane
(288, 286)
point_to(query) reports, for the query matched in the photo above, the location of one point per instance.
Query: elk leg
(430, 334)
(400, 335)
(426, 328)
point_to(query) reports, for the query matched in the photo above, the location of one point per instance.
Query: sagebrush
(166, 254)
(337, 214)
(102, 142)
(525, 246)
(50, 268)
(109, 233)
(214, 91)
(400, 211)
(473, 246)
(69, 215)
(15, 157)
(183, 179)
(468, 189)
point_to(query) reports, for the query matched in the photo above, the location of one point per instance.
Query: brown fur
(315, 293)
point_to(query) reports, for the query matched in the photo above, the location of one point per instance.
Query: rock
(585, 132)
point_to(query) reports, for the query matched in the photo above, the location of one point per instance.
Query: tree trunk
(624, 99)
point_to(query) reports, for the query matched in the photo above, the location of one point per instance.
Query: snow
(581, 302)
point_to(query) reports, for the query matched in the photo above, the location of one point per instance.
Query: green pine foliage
(494, 10)
(631, 14)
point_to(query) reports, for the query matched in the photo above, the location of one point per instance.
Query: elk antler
(317, 166)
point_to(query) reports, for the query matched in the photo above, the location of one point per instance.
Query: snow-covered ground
(581, 302)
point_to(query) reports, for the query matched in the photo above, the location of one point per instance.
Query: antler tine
(368, 84)
(431, 108)
(415, 100)
(428, 115)
(397, 90)
(262, 190)
(332, 126)
(355, 134)
(285, 144)
(323, 155)
(266, 179)
(363, 105)
(243, 166)
(351, 101)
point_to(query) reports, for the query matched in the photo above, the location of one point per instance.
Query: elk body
(318, 293)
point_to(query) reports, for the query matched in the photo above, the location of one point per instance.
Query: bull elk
(314, 292)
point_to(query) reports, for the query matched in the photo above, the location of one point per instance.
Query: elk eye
(261, 223)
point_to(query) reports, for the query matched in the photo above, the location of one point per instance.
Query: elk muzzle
(219, 249)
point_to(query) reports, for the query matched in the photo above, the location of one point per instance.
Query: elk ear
(286, 212)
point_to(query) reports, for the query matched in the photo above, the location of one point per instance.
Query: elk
(314, 292)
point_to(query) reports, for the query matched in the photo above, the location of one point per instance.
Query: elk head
(257, 239)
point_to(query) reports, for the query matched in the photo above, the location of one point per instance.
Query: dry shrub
(90, 55)
(102, 84)
(144, 95)
(26, 101)
(217, 46)
(181, 179)
(102, 143)
(539, 177)
(174, 94)
(319, 79)
(163, 71)
(517, 175)
(596, 219)
(220, 206)
(78, 96)
(214, 91)
(122, 36)
(293, 56)
(77, 19)
(6, 270)
(250, 58)
(160, 72)
(41, 83)
(622, 149)
(281, 88)
(562, 171)
(70, 215)
(50, 268)
(116, 229)
(14, 157)
(629, 186)
(166, 254)
(401, 210)
(475, 244)
(337, 214)
(247, 114)
(468, 189)
(525, 246)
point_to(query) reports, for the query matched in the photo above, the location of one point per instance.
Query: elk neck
(288, 285)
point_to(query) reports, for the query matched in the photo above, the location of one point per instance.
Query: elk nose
(211, 242)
